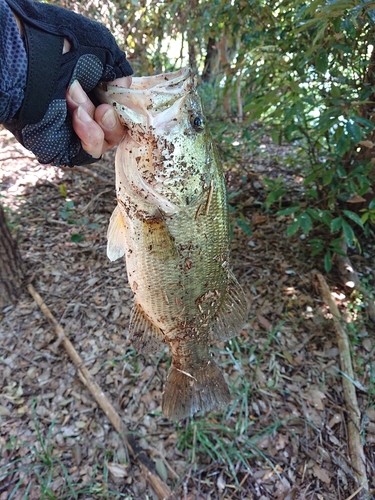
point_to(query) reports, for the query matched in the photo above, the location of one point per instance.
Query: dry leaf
(356, 199)
(315, 398)
(336, 419)
(117, 470)
(322, 474)
(221, 484)
(264, 322)
(367, 144)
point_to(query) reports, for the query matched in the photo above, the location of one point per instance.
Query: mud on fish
(171, 223)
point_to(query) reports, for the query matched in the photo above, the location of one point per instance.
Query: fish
(171, 224)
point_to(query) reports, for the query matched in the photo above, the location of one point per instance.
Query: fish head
(157, 105)
(163, 114)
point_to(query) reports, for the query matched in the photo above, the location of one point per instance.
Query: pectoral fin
(116, 235)
(231, 315)
(144, 336)
(158, 240)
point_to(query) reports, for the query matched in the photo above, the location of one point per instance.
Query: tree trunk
(12, 269)
(211, 61)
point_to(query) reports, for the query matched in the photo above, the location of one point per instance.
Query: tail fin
(186, 393)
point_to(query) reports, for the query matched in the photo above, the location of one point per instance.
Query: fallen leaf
(322, 474)
(221, 484)
(117, 470)
(367, 144)
(315, 398)
(336, 419)
(264, 322)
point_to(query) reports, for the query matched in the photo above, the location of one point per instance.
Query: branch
(88, 171)
(356, 452)
(161, 489)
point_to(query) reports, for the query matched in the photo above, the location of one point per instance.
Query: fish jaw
(147, 96)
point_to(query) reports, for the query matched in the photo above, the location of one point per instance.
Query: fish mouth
(164, 81)
(171, 82)
(148, 95)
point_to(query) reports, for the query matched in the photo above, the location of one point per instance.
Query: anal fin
(231, 315)
(116, 235)
(145, 337)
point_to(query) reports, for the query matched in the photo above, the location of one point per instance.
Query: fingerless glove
(43, 123)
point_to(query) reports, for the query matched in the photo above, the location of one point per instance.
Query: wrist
(19, 24)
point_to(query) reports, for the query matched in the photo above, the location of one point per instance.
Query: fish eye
(197, 123)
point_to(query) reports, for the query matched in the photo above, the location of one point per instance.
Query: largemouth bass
(171, 223)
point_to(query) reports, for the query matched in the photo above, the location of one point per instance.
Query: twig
(356, 452)
(91, 173)
(107, 190)
(356, 492)
(161, 489)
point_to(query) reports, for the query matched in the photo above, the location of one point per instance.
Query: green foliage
(300, 71)
(310, 86)
(236, 215)
(68, 214)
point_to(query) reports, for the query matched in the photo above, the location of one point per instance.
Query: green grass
(42, 465)
(230, 439)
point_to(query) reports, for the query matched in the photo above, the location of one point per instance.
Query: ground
(284, 434)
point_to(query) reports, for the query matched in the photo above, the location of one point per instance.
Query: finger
(124, 81)
(76, 96)
(90, 133)
(108, 120)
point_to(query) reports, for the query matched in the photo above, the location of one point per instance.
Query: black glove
(43, 123)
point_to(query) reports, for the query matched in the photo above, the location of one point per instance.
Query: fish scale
(171, 223)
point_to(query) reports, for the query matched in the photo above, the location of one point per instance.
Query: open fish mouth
(148, 94)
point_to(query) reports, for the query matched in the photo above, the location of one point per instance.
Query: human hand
(99, 129)
(43, 123)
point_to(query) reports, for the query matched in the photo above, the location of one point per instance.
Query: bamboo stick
(161, 489)
(356, 451)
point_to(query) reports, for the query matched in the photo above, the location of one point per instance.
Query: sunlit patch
(20, 170)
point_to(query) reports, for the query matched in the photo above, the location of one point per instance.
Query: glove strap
(44, 55)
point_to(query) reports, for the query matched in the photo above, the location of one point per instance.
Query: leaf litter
(284, 435)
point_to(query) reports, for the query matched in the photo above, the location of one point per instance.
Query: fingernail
(83, 115)
(77, 93)
(109, 119)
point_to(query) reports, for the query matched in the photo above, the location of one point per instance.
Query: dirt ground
(284, 435)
